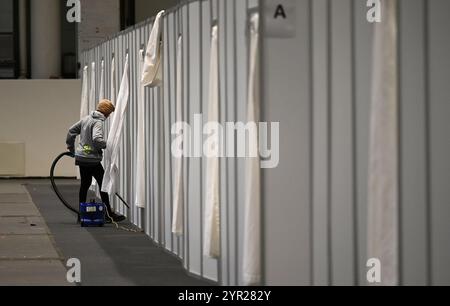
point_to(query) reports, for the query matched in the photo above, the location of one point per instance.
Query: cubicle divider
(317, 84)
(192, 20)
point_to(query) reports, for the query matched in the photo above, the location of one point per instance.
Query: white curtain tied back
(152, 71)
(140, 151)
(383, 161)
(84, 110)
(111, 157)
(101, 96)
(252, 214)
(177, 217)
(212, 204)
(92, 102)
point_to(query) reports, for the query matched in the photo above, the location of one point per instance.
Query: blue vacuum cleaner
(92, 214)
(89, 214)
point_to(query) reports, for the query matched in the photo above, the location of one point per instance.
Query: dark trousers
(87, 173)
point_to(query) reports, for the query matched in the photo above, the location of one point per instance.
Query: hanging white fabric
(178, 200)
(111, 156)
(152, 72)
(212, 205)
(140, 151)
(84, 110)
(112, 95)
(101, 93)
(112, 98)
(383, 160)
(252, 215)
(92, 102)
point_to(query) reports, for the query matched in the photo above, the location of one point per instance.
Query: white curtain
(111, 157)
(112, 94)
(101, 93)
(383, 161)
(140, 152)
(92, 102)
(152, 72)
(112, 97)
(212, 204)
(177, 218)
(252, 215)
(84, 110)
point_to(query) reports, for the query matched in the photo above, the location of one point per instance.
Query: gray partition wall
(192, 20)
(317, 84)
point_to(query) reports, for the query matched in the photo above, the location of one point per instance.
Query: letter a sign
(280, 18)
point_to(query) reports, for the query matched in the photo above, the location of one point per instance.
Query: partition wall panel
(192, 20)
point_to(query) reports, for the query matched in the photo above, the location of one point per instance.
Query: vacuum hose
(55, 188)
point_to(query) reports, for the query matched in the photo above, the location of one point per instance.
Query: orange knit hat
(106, 107)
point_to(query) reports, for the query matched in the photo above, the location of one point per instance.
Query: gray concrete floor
(28, 255)
(38, 235)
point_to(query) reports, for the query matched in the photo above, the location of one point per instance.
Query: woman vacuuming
(89, 154)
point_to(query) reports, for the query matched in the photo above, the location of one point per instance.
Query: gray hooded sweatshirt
(92, 142)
